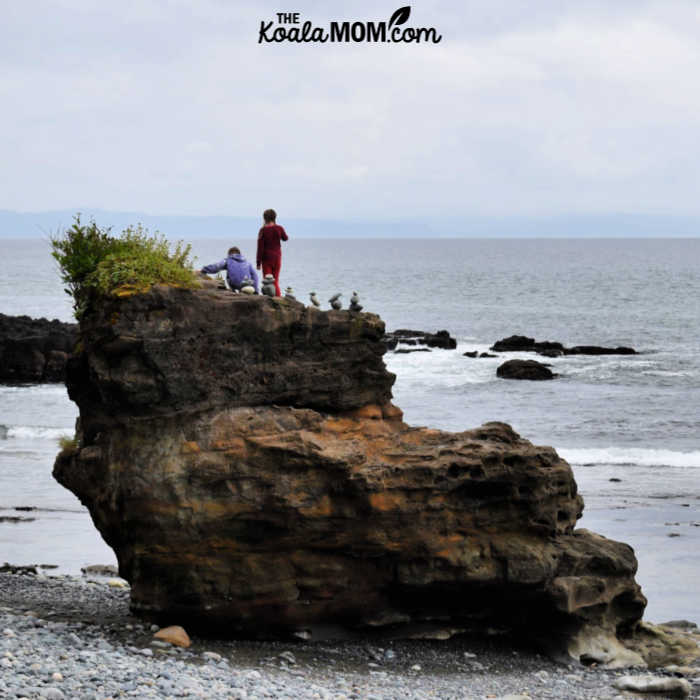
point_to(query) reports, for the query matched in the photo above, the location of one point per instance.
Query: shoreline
(83, 630)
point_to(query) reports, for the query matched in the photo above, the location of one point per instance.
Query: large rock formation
(242, 457)
(34, 350)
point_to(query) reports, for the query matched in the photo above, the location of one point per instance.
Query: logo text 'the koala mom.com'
(291, 29)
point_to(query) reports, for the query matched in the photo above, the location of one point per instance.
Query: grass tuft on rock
(95, 263)
(68, 443)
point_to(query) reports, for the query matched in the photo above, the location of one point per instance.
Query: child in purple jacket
(237, 269)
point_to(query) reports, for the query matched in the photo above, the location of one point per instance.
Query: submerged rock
(34, 350)
(403, 336)
(243, 459)
(522, 343)
(597, 350)
(524, 369)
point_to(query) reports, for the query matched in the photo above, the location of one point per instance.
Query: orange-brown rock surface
(242, 457)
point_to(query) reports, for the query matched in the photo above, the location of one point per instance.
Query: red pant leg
(272, 267)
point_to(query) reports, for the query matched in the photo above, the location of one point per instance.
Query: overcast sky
(523, 108)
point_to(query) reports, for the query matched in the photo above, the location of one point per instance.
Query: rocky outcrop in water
(524, 369)
(406, 337)
(34, 350)
(244, 460)
(521, 343)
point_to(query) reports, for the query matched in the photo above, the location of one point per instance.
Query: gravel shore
(63, 637)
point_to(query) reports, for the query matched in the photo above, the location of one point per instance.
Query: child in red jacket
(269, 255)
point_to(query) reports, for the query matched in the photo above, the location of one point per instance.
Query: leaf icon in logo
(400, 16)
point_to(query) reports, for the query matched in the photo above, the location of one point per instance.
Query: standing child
(270, 248)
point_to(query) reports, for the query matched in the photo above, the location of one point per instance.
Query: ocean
(628, 425)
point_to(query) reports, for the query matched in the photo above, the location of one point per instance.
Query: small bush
(93, 262)
(66, 443)
(141, 260)
(78, 252)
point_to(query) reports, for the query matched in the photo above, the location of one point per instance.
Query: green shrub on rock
(140, 260)
(94, 263)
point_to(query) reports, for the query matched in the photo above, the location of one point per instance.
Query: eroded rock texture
(242, 457)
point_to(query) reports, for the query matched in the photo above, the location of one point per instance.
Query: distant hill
(38, 224)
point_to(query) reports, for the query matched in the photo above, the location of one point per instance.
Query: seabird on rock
(314, 299)
(289, 294)
(335, 302)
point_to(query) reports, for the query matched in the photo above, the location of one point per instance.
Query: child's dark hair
(234, 250)
(270, 216)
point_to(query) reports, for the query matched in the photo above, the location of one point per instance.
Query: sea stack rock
(245, 462)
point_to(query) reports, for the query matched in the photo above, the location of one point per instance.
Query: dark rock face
(521, 343)
(173, 350)
(524, 369)
(403, 336)
(514, 343)
(242, 457)
(597, 350)
(34, 350)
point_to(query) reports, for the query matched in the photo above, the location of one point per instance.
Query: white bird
(289, 294)
(314, 299)
(335, 302)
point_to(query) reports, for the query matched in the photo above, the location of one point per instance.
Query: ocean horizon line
(565, 226)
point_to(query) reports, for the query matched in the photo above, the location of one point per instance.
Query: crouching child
(237, 269)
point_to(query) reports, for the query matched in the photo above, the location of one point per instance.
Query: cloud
(523, 108)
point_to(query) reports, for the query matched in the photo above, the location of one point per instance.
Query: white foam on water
(666, 373)
(32, 390)
(629, 456)
(24, 432)
(442, 369)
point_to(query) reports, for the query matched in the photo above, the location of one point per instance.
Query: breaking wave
(632, 456)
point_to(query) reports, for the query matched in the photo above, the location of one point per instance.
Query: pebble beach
(73, 637)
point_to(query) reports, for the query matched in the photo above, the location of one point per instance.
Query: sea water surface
(628, 425)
